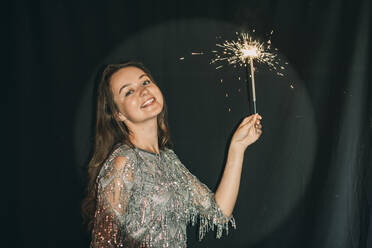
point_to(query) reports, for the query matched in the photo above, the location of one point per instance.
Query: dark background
(305, 183)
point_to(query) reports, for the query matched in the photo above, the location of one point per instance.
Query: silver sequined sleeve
(203, 203)
(115, 182)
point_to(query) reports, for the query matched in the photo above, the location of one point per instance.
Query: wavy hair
(111, 132)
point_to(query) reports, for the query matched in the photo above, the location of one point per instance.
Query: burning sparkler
(244, 51)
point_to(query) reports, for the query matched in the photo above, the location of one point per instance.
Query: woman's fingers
(252, 119)
(246, 120)
(258, 126)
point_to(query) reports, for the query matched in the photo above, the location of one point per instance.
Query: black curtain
(305, 183)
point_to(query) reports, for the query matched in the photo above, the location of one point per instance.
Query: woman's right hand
(249, 130)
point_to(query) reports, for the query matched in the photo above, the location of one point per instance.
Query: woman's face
(136, 95)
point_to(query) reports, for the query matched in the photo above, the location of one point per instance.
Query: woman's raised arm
(247, 133)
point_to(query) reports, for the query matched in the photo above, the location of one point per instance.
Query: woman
(140, 194)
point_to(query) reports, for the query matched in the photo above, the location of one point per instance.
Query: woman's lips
(148, 102)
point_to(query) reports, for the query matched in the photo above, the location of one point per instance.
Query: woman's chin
(150, 113)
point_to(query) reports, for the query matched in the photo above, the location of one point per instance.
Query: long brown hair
(109, 132)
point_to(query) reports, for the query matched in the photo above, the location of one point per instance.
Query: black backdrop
(305, 183)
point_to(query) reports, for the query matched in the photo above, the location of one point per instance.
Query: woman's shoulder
(170, 153)
(122, 150)
(121, 157)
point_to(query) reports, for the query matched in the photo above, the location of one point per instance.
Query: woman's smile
(148, 102)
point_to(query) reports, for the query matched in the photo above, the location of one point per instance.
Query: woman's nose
(144, 91)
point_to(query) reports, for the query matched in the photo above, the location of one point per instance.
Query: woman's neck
(145, 136)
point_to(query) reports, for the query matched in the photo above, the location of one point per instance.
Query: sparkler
(244, 51)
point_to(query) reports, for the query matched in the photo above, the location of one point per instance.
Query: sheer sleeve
(202, 202)
(115, 182)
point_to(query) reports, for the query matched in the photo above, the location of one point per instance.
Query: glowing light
(249, 51)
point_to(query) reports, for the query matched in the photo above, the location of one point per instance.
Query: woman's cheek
(131, 105)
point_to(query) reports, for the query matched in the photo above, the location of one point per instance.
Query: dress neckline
(143, 150)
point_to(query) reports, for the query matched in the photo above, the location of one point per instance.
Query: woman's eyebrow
(125, 85)
(142, 76)
(122, 87)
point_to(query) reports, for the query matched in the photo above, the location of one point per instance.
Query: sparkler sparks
(197, 53)
(243, 51)
(240, 51)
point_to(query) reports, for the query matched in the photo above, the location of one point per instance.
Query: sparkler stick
(249, 52)
(253, 85)
(247, 85)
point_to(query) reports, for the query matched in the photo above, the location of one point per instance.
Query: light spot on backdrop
(206, 104)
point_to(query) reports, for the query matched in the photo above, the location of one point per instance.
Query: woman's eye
(146, 82)
(129, 92)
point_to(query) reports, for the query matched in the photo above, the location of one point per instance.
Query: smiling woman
(139, 193)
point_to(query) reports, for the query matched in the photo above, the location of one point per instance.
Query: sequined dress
(146, 199)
